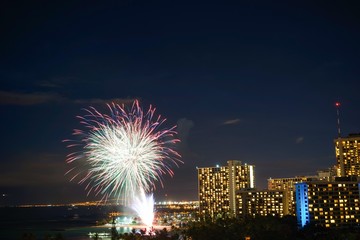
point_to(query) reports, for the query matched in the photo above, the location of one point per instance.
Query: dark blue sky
(251, 81)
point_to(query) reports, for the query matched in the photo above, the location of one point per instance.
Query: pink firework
(123, 152)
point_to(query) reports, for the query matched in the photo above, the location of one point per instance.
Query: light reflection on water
(44, 221)
(76, 233)
(82, 233)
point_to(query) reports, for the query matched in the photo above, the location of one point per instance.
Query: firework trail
(123, 152)
(143, 205)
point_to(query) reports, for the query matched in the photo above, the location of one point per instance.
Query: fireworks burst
(122, 153)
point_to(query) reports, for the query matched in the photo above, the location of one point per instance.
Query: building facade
(287, 185)
(218, 187)
(328, 204)
(261, 203)
(347, 152)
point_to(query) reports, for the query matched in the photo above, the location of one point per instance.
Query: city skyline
(254, 82)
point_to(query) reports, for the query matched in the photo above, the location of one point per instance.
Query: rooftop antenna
(341, 155)
(337, 105)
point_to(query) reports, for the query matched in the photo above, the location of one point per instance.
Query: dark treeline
(258, 228)
(264, 228)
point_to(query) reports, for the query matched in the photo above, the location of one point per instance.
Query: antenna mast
(337, 105)
(340, 144)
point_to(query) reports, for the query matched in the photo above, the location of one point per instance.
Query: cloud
(299, 140)
(104, 101)
(57, 82)
(232, 121)
(16, 98)
(183, 128)
(36, 98)
(34, 170)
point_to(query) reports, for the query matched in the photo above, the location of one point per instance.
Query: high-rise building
(347, 152)
(288, 186)
(218, 186)
(328, 204)
(254, 203)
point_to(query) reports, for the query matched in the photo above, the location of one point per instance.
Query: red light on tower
(337, 105)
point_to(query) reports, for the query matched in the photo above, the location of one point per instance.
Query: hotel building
(328, 204)
(347, 152)
(218, 187)
(261, 203)
(288, 186)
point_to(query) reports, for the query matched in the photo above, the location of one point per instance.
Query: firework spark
(122, 152)
(143, 205)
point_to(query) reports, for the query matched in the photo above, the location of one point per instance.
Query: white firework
(123, 152)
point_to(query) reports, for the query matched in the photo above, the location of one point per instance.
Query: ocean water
(71, 223)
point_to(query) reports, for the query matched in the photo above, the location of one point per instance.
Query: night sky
(252, 81)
